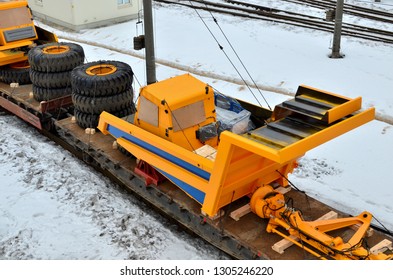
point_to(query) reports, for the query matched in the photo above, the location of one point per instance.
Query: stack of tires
(101, 86)
(18, 72)
(50, 69)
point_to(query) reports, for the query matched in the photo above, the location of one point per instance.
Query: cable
(234, 51)
(296, 188)
(293, 185)
(136, 78)
(386, 229)
(226, 55)
(301, 239)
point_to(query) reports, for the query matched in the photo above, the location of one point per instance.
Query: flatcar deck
(20, 101)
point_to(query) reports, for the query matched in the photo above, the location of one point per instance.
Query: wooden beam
(240, 212)
(381, 247)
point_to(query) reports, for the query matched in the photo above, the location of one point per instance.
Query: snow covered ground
(54, 207)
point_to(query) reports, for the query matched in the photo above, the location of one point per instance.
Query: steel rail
(294, 19)
(348, 9)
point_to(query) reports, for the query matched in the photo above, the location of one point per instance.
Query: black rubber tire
(86, 120)
(46, 94)
(50, 80)
(56, 62)
(96, 105)
(9, 75)
(124, 151)
(102, 85)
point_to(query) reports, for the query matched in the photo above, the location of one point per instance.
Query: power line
(222, 49)
(240, 60)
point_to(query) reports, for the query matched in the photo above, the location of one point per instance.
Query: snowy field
(53, 206)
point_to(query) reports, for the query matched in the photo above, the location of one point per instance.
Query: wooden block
(328, 216)
(31, 95)
(283, 190)
(283, 244)
(240, 212)
(115, 145)
(14, 85)
(73, 119)
(215, 217)
(382, 247)
(90, 131)
(207, 151)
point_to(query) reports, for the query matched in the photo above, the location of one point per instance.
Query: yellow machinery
(18, 32)
(270, 204)
(177, 131)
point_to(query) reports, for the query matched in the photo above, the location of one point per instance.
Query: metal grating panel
(19, 34)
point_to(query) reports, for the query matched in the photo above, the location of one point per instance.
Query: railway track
(247, 10)
(349, 9)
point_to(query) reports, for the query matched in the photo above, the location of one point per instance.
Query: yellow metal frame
(10, 51)
(14, 5)
(270, 204)
(163, 145)
(241, 165)
(8, 57)
(342, 106)
(173, 94)
(245, 165)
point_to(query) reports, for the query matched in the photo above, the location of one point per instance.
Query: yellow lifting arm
(267, 203)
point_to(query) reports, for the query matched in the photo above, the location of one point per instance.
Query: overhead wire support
(227, 56)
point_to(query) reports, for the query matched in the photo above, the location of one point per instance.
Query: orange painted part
(101, 70)
(56, 49)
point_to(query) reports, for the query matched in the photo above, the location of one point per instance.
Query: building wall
(79, 14)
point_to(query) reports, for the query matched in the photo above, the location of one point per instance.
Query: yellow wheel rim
(20, 65)
(56, 49)
(101, 70)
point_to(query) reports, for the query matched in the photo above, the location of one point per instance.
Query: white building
(80, 14)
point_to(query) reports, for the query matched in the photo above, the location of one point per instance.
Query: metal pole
(149, 42)
(338, 21)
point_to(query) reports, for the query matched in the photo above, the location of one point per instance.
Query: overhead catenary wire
(238, 57)
(227, 56)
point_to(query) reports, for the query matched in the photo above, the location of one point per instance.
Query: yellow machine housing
(220, 171)
(233, 166)
(18, 32)
(175, 108)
